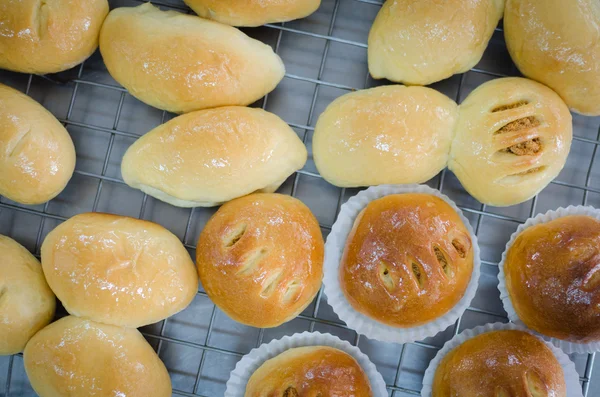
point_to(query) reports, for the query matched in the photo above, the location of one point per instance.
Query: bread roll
(118, 270)
(309, 371)
(26, 302)
(556, 43)
(253, 12)
(48, 36)
(500, 364)
(78, 357)
(552, 278)
(37, 156)
(205, 158)
(408, 260)
(419, 42)
(260, 259)
(391, 134)
(512, 139)
(182, 63)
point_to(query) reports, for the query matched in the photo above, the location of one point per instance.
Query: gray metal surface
(326, 57)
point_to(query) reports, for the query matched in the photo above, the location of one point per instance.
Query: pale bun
(182, 63)
(118, 270)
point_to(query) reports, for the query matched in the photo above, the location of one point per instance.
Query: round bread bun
(384, 135)
(208, 157)
(419, 42)
(118, 270)
(48, 36)
(553, 279)
(556, 43)
(512, 139)
(309, 371)
(79, 357)
(407, 261)
(253, 12)
(500, 364)
(26, 302)
(182, 63)
(260, 259)
(37, 156)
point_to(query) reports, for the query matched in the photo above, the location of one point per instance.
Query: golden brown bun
(182, 63)
(48, 36)
(253, 12)
(37, 156)
(118, 270)
(500, 364)
(407, 261)
(556, 43)
(512, 139)
(553, 278)
(309, 371)
(26, 302)
(77, 357)
(206, 158)
(384, 135)
(260, 259)
(419, 42)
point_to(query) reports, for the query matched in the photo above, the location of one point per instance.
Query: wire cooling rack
(325, 57)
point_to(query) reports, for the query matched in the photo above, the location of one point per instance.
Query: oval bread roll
(118, 270)
(182, 63)
(79, 357)
(206, 158)
(48, 36)
(26, 302)
(37, 156)
(384, 135)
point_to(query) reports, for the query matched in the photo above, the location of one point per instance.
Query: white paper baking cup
(236, 385)
(566, 346)
(571, 375)
(334, 248)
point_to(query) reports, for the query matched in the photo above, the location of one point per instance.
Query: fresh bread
(553, 279)
(407, 261)
(260, 259)
(556, 43)
(79, 357)
(206, 158)
(253, 12)
(118, 270)
(309, 371)
(419, 42)
(182, 63)
(48, 36)
(384, 135)
(500, 364)
(512, 139)
(26, 302)
(37, 156)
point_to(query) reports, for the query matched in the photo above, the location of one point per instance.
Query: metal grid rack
(325, 55)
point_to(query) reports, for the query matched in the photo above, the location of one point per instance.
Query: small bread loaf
(556, 43)
(79, 357)
(37, 156)
(48, 36)
(253, 12)
(309, 371)
(512, 139)
(260, 259)
(384, 135)
(118, 270)
(182, 63)
(419, 42)
(205, 158)
(500, 364)
(26, 302)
